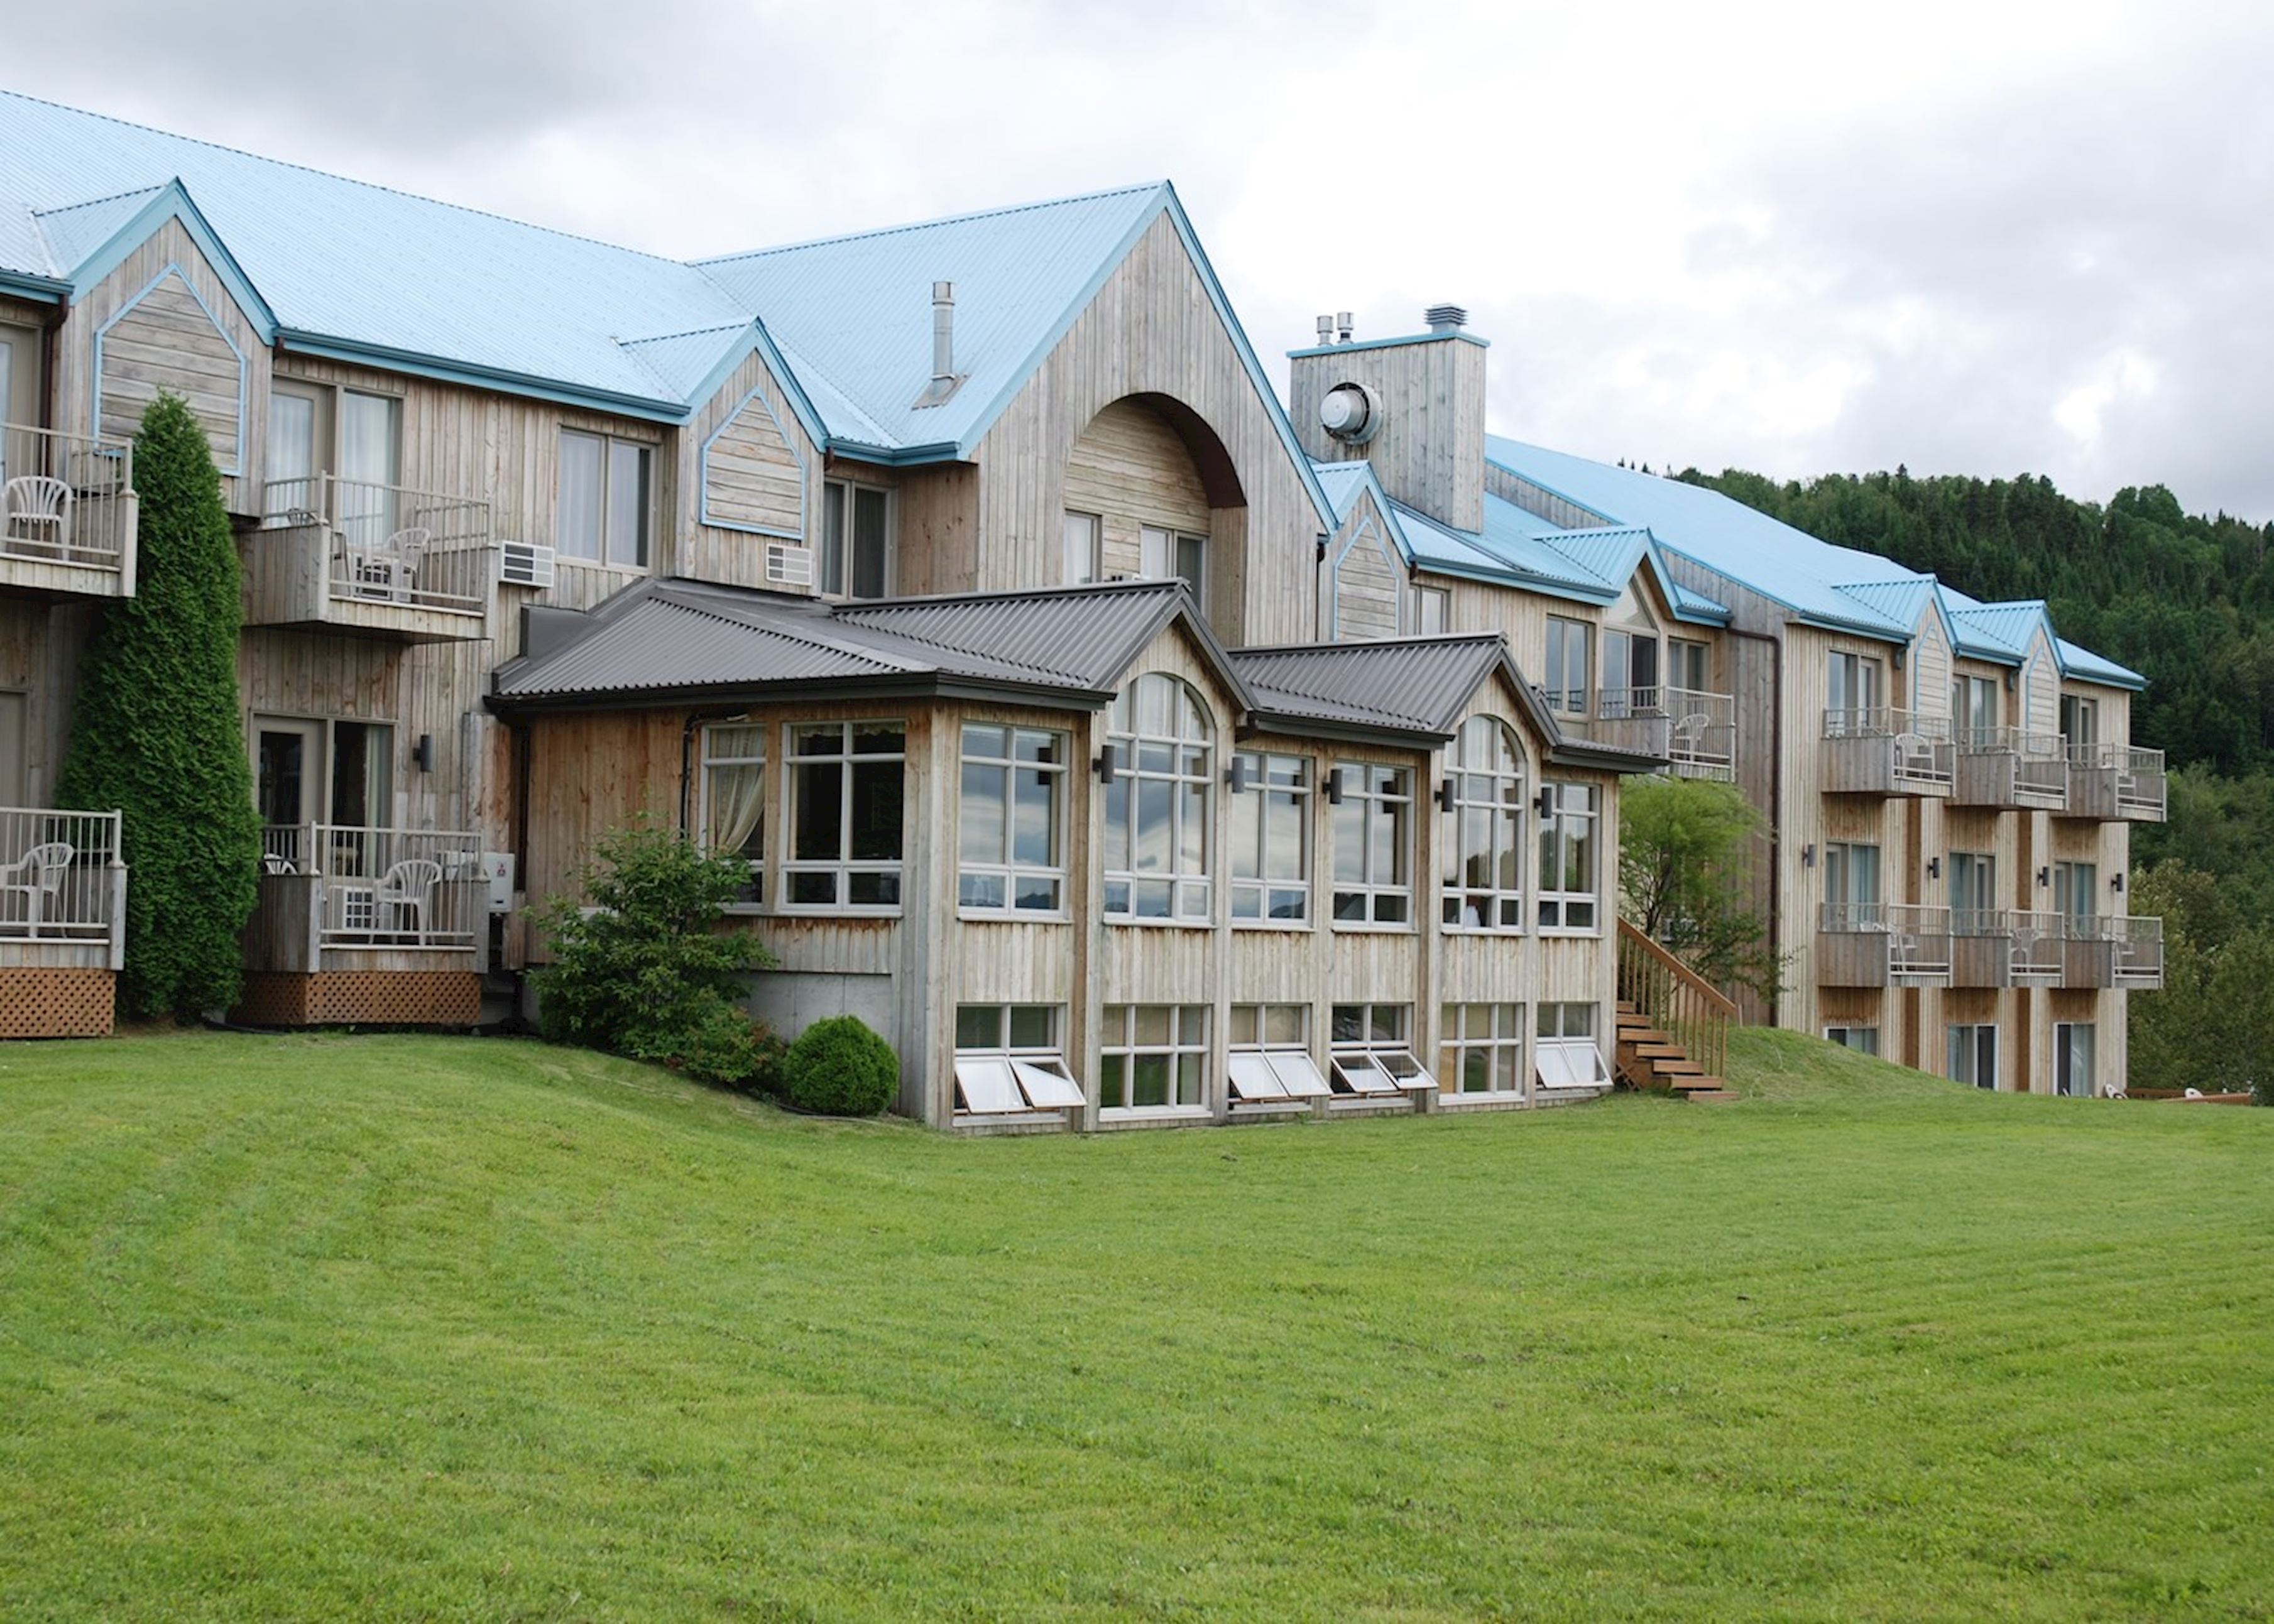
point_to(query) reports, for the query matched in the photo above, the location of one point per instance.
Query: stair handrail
(1689, 1009)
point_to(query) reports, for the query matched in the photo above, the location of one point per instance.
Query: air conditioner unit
(524, 563)
(787, 566)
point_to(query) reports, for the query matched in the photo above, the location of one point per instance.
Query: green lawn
(391, 1327)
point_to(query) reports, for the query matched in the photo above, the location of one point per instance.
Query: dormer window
(856, 541)
(605, 499)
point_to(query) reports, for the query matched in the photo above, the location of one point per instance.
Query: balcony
(337, 897)
(2119, 949)
(63, 890)
(2011, 769)
(1696, 732)
(1883, 752)
(1883, 944)
(372, 560)
(2114, 783)
(68, 515)
(2002, 947)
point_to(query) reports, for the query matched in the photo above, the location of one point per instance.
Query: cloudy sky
(1978, 237)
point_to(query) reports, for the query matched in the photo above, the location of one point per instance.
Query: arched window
(1484, 829)
(1157, 853)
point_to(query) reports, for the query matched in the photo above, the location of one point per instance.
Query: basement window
(1565, 1056)
(1863, 1040)
(1371, 1050)
(1270, 1056)
(1480, 1049)
(1009, 1061)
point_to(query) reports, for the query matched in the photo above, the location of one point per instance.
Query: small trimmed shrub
(839, 1067)
(648, 972)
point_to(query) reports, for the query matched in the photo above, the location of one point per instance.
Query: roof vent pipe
(1445, 318)
(1343, 324)
(944, 379)
(1325, 331)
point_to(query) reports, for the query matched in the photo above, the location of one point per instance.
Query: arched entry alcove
(1150, 490)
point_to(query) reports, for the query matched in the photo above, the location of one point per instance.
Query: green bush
(839, 1067)
(156, 734)
(644, 971)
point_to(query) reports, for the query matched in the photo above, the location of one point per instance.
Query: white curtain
(738, 800)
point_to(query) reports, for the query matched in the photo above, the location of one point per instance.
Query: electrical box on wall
(498, 870)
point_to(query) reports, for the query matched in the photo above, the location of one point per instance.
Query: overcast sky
(1975, 237)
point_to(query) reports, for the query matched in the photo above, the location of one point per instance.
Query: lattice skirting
(361, 998)
(55, 1003)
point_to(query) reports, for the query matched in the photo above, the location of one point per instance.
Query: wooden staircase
(1673, 1024)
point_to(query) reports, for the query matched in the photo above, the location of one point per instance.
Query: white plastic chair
(404, 894)
(37, 502)
(37, 878)
(1687, 736)
(386, 568)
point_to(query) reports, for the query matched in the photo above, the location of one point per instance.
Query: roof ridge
(129, 192)
(345, 180)
(788, 632)
(663, 338)
(1370, 644)
(926, 225)
(799, 364)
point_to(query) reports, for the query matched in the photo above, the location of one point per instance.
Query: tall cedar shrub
(155, 733)
(644, 971)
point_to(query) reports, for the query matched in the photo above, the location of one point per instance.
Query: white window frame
(2064, 1039)
(757, 731)
(1118, 1039)
(1161, 557)
(1503, 1039)
(1191, 802)
(1083, 543)
(1973, 892)
(1492, 791)
(1972, 1062)
(1556, 905)
(1374, 802)
(1859, 680)
(1975, 704)
(1433, 610)
(1011, 1078)
(1686, 657)
(1006, 870)
(642, 545)
(2080, 719)
(2076, 889)
(1267, 776)
(844, 866)
(1863, 1040)
(1379, 1063)
(1565, 1045)
(1563, 661)
(1268, 1060)
(834, 563)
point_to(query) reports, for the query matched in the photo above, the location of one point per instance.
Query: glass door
(15, 789)
(371, 467)
(20, 404)
(288, 766)
(1973, 892)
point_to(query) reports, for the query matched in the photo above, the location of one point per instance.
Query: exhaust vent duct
(945, 380)
(1445, 318)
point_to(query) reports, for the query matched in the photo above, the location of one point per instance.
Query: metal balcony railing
(67, 499)
(61, 877)
(2041, 760)
(1918, 937)
(415, 888)
(390, 544)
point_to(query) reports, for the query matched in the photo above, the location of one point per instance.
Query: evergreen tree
(155, 733)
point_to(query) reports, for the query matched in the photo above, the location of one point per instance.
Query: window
(734, 798)
(1271, 818)
(1153, 1056)
(1973, 892)
(1565, 685)
(1164, 555)
(1270, 1056)
(1483, 829)
(1686, 665)
(1008, 1059)
(1629, 673)
(1974, 709)
(1371, 1049)
(2072, 1058)
(1851, 885)
(1567, 1056)
(1012, 818)
(1433, 610)
(1480, 1049)
(299, 445)
(2080, 719)
(2076, 891)
(1373, 837)
(1081, 534)
(1157, 809)
(844, 784)
(856, 540)
(1566, 857)
(1974, 1056)
(1863, 1040)
(603, 511)
(1852, 689)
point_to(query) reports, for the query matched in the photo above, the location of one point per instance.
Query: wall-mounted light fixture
(1808, 856)
(2013, 680)
(1236, 775)
(2044, 879)
(1934, 867)
(424, 754)
(1335, 786)
(2116, 881)
(1105, 765)
(1445, 793)
(1899, 657)
(1544, 802)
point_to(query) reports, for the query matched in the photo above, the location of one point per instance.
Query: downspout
(1776, 788)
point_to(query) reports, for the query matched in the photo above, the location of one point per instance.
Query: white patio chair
(403, 895)
(1687, 737)
(38, 503)
(386, 568)
(38, 877)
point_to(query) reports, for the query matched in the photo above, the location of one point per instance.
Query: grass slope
(399, 1328)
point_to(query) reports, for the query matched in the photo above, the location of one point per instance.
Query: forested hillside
(2188, 601)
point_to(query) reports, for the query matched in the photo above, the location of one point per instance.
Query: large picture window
(1568, 857)
(1012, 822)
(856, 540)
(1153, 1056)
(1483, 839)
(1480, 1049)
(602, 514)
(1373, 844)
(843, 782)
(734, 798)
(1157, 857)
(1270, 819)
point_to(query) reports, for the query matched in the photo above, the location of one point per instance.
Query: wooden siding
(1368, 583)
(165, 341)
(1429, 452)
(759, 480)
(1130, 469)
(39, 648)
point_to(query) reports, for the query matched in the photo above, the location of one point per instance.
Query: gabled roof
(664, 640)
(2004, 633)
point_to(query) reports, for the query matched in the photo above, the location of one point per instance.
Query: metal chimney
(944, 379)
(1342, 323)
(1325, 331)
(1445, 318)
